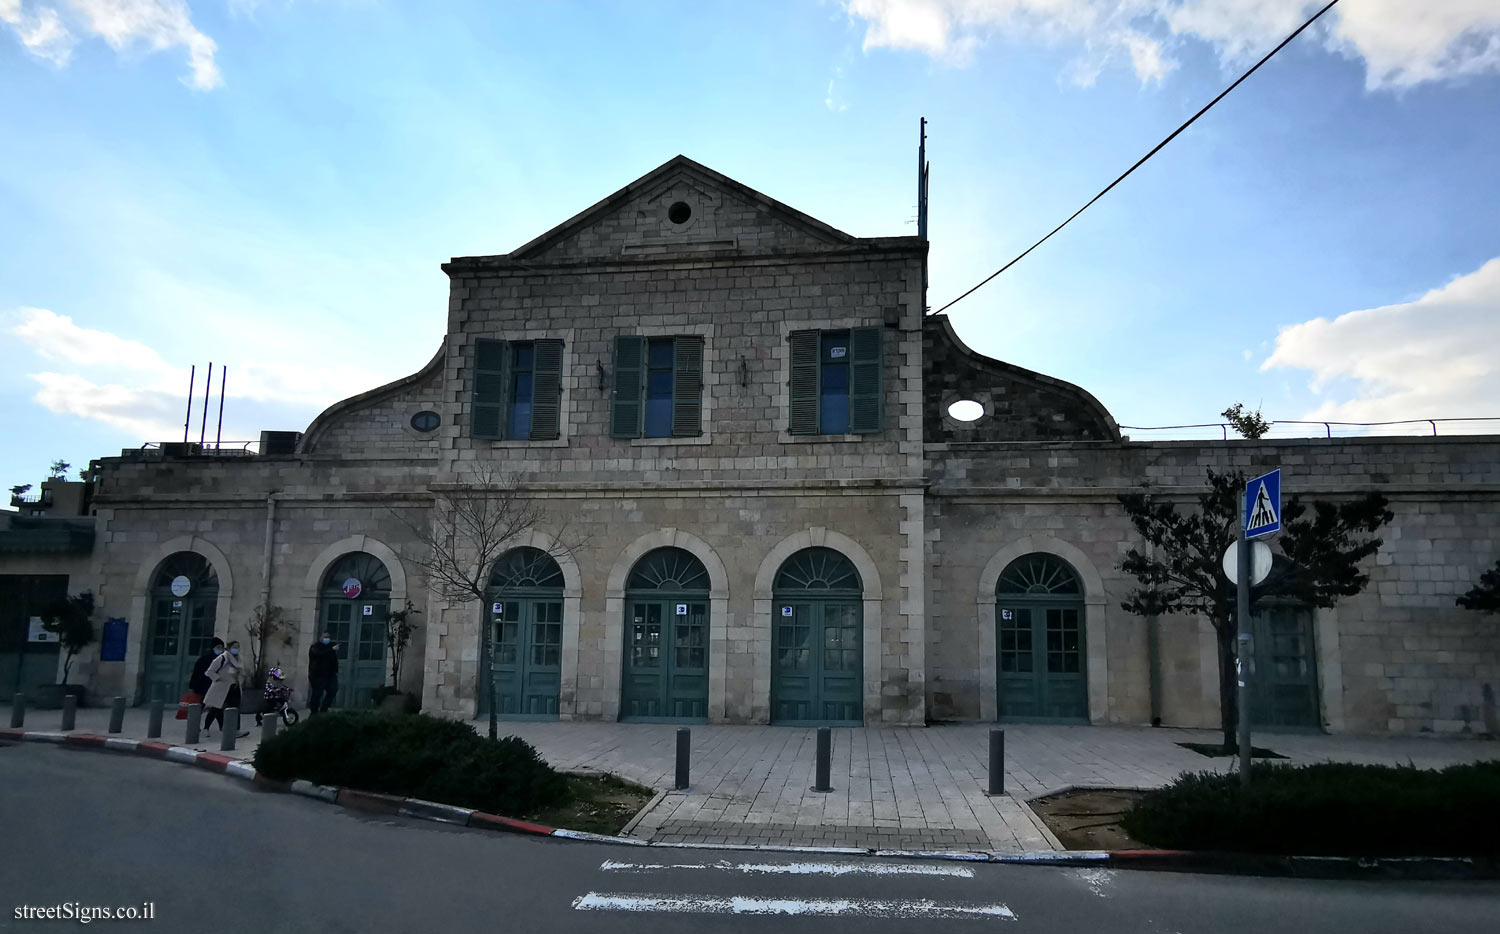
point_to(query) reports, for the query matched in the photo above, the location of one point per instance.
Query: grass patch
(598, 804)
(1217, 750)
(1328, 809)
(416, 756)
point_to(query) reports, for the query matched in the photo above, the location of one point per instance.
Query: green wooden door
(1039, 642)
(182, 628)
(1040, 657)
(817, 666)
(1284, 685)
(666, 659)
(527, 662)
(358, 635)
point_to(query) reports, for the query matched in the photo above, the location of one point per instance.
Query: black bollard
(684, 754)
(117, 715)
(231, 728)
(70, 712)
(997, 762)
(18, 712)
(825, 757)
(268, 726)
(153, 725)
(194, 720)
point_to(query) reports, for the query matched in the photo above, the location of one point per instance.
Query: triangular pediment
(682, 207)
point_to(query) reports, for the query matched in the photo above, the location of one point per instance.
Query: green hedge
(417, 756)
(1328, 810)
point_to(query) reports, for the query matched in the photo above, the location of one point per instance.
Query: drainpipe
(265, 562)
(1153, 655)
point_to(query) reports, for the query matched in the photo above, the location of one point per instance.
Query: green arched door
(184, 596)
(666, 639)
(816, 645)
(526, 603)
(1039, 642)
(354, 601)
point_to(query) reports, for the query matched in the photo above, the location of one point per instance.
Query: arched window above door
(668, 569)
(196, 568)
(526, 567)
(371, 573)
(820, 570)
(1038, 575)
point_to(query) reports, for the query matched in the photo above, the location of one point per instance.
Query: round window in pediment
(426, 421)
(679, 212)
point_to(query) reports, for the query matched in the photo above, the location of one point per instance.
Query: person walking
(322, 674)
(198, 681)
(224, 673)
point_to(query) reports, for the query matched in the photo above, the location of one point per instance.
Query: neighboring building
(44, 546)
(736, 418)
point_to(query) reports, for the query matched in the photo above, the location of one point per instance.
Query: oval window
(966, 410)
(426, 421)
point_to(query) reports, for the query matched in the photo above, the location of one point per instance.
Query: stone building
(758, 508)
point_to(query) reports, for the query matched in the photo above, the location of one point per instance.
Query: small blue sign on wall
(112, 642)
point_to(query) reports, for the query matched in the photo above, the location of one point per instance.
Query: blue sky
(273, 185)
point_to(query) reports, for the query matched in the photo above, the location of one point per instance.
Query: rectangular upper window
(836, 382)
(658, 387)
(517, 392)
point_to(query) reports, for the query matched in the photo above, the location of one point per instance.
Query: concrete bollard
(153, 724)
(997, 762)
(268, 726)
(18, 712)
(194, 721)
(70, 712)
(117, 715)
(231, 728)
(825, 760)
(684, 752)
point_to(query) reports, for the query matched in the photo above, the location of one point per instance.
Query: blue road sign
(1263, 505)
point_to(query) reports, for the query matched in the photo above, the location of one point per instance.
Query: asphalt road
(214, 854)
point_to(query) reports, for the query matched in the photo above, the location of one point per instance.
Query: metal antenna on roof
(188, 418)
(207, 385)
(223, 381)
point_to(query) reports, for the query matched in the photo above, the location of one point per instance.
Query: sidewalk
(907, 788)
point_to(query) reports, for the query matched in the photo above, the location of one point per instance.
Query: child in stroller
(277, 700)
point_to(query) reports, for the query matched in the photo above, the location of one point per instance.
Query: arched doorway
(184, 593)
(1040, 641)
(354, 599)
(526, 611)
(817, 631)
(666, 638)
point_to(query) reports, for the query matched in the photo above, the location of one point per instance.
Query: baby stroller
(277, 700)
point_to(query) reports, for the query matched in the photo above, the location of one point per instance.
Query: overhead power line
(1142, 161)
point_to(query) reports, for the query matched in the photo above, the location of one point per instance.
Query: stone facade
(928, 509)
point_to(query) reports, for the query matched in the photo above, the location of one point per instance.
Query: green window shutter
(487, 411)
(627, 407)
(687, 387)
(546, 389)
(866, 395)
(803, 397)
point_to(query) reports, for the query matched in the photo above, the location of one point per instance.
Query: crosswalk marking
(747, 905)
(794, 869)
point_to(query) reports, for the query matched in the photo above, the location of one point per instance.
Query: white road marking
(799, 869)
(1097, 880)
(745, 905)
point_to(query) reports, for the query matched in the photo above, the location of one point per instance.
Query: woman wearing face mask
(224, 672)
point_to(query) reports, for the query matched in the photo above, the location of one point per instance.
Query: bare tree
(472, 523)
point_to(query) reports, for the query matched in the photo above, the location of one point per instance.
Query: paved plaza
(909, 788)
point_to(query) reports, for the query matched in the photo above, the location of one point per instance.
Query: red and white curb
(1159, 860)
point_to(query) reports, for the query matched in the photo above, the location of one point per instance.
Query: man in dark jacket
(322, 674)
(198, 681)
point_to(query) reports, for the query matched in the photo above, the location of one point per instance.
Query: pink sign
(352, 588)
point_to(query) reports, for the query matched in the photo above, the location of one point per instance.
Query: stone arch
(874, 621)
(135, 657)
(307, 604)
(567, 698)
(718, 615)
(1096, 645)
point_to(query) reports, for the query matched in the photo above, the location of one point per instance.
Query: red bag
(191, 697)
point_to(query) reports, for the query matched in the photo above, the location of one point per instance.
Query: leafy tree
(1182, 572)
(72, 621)
(58, 470)
(471, 525)
(1485, 595)
(20, 489)
(1249, 424)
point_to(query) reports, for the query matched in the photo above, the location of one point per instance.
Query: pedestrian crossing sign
(1263, 505)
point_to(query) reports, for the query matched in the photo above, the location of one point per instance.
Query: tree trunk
(486, 678)
(1228, 696)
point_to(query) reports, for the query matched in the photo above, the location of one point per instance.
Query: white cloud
(1429, 358)
(56, 337)
(156, 25)
(1401, 42)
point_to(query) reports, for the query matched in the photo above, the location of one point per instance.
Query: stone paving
(906, 788)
